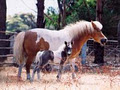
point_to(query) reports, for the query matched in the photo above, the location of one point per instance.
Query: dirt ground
(84, 81)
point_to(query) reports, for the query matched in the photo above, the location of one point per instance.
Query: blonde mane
(81, 27)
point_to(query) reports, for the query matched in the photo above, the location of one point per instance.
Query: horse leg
(20, 70)
(38, 73)
(73, 70)
(34, 70)
(72, 66)
(61, 68)
(59, 73)
(28, 64)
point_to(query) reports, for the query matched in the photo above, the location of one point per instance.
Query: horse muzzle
(69, 52)
(103, 41)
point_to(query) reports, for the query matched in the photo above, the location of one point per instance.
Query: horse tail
(18, 50)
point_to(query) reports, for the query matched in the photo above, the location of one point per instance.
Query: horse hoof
(38, 80)
(73, 76)
(19, 78)
(58, 80)
(29, 79)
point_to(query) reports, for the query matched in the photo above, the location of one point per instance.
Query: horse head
(68, 47)
(97, 34)
(51, 55)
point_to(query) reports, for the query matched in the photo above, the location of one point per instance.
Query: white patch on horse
(57, 54)
(38, 38)
(54, 38)
(37, 58)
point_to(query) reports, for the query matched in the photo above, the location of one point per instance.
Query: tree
(40, 14)
(108, 13)
(86, 10)
(80, 10)
(2, 16)
(21, 22)
(62, 11)
(51, 18)
(99, 50)
(2, 25)
(119, 34)
(111, 17)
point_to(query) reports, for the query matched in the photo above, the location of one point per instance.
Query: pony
(28, 43)
(56, 57)
(61, 55)
(41, 60)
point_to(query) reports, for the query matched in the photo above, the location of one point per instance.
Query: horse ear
(94, 25)
(72, 43)
(65, 43)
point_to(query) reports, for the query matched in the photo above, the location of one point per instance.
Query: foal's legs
(34, 70)
(59, 72)
(72, 66)
(73, 70)
(38, 73)
(61, 68)
(72, 62)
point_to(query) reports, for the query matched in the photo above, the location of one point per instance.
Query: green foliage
(52, 19)
(75, 10)
(21, 22)
(81, 10)
(86, 10)
(51, 24)
(111, 17)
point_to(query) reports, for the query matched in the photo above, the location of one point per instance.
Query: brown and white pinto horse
(28, 43)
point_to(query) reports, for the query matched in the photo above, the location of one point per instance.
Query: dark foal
(41, 60)
(64, 55)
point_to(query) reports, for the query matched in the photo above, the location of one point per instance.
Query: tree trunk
(99, 50)
(62, 12)
(40, 14)
(119, 34)
(2, 15)
(2, 25)
(99, 53)
(88, 10)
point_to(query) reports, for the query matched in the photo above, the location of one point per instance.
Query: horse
(61, 55)
(28, 43)
(41, 60)
(52, 57)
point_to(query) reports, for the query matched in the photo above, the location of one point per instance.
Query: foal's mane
(79, 28)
